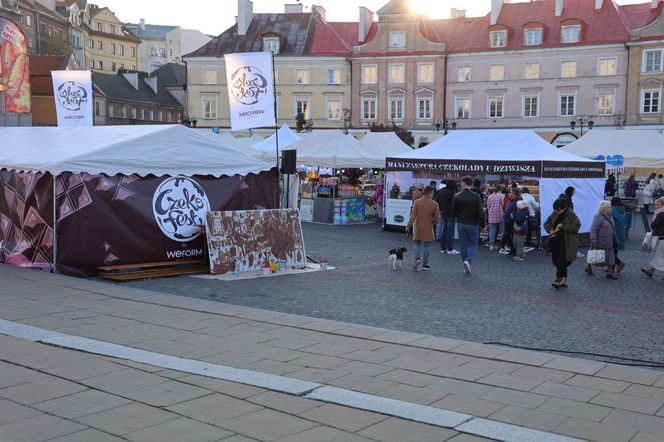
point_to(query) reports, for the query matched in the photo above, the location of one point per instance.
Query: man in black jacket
(446, 221)
(467, 209)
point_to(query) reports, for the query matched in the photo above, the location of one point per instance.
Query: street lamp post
(581, 121)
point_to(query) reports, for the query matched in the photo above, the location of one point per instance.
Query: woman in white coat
(657, 226)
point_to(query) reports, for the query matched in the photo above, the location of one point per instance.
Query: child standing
(520, 228)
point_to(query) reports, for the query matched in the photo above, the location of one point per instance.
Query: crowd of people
(510, 215)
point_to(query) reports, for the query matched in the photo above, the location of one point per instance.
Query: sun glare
(430, 8)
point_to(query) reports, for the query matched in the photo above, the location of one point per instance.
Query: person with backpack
(657, 187)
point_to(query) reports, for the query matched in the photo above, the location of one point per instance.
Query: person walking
(603, 237)
(533, 224)
(446, 222)
(563, 226)
(520, 229)
(657, 226)
(467, 209)
(631, 186)
(647, 200)
(424, 217)
(620, 221)
(508, 224)
(494, 206)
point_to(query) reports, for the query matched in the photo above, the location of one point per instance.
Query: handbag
(649, 242)
(596, 257)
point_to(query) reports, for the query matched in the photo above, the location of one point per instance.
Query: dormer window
(497, 39)
(571, 34)
(398, 39)
(533, 37)
(271, 44)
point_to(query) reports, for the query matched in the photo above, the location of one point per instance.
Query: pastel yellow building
(109, 45)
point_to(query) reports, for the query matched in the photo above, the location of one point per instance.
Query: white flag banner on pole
(250, 89)
(72, 91)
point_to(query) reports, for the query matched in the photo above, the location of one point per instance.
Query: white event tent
(510, 152)
(228, 140)
(269, 145)
(332, 148)
(639, 148)
(387, 143)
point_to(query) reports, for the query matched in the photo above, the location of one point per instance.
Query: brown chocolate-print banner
(26, 219)
(577, 169)
(528, 168)
(110, 220)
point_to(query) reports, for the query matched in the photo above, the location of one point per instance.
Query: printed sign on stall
(397, 212)
(307, 210)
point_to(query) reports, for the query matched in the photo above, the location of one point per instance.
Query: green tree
(300, 122)
(405, 135)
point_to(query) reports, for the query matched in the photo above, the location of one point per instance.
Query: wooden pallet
(147, 270)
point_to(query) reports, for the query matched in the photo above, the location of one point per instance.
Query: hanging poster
(14, 67)
(250, 89)
(72, 91)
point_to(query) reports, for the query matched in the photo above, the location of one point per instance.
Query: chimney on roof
(48, 4)
(457, 13)
(152, 82)
(559, 7)
(366, 20)
(293, 8)
(496, 6)
(245, 13)
(142, 25)
(319, 10)
(132, 78)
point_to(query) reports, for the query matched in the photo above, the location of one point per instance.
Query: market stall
(74, 200)
(332, 199)
(516, 155)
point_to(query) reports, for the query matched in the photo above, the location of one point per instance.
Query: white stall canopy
(639, 148)
(142, 150)
(386, 143)
(332, 148)
(228, 140)
(269, 145)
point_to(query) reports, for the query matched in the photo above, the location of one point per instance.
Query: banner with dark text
(471, 167)
(250, 89)
(72, 92)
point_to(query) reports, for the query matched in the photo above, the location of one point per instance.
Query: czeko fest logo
(179, 206)
(248, 85)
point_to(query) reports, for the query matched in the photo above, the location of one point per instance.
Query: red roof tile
(639, 15)
(329, 41)
(44, 64)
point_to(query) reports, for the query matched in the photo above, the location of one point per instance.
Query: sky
(215, 16)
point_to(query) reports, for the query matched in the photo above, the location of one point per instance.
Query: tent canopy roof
(639, 148)
(387, 143)
(496, 145)
(228, 140)
(269, 145)
(332, 148)
(143, 150)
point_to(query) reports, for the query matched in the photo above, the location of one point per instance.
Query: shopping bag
(649, 242)
(596, 257)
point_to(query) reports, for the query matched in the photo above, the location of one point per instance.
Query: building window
(152, 114)
(113, 67)
(463, 73)
(121, 49)
(100, 65)
(607, 66)
(302, 76)
(30, 43)
(334, 76)
(111, 29)
(123, 112)
(91, 43)
(132, 51)
(100, 45)
(370, 74)
(497, 72)
(99, 26)
(179, 116)
(28, 20)
(271, 44)
(396, 73)
(142, 113)
(110, 110)
(91, 64)
(133, 113)
(369, 107)
(496, 107)
(395, 107)
(121, 65)
(97, 112)
(532, 71)
(605, 104)
(568, 69)
(162, 52)
(652, 61)
(210, 106)
(170, 52)
(571, 34)
(161, 115)
(209, 76)
(169, 117)
(650, 101)
(462, 107)
(533, 37)
(302, 105)
(333, 107)
(111, 48)
(398, 39)
(425, 73)
(567, 106)
(49, 31)
(497, 39)
(133, 67)
(530, 105)
(424, 105)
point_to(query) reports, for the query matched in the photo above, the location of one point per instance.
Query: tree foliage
(405, 135)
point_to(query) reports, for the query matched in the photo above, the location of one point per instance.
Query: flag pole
(276, 118)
